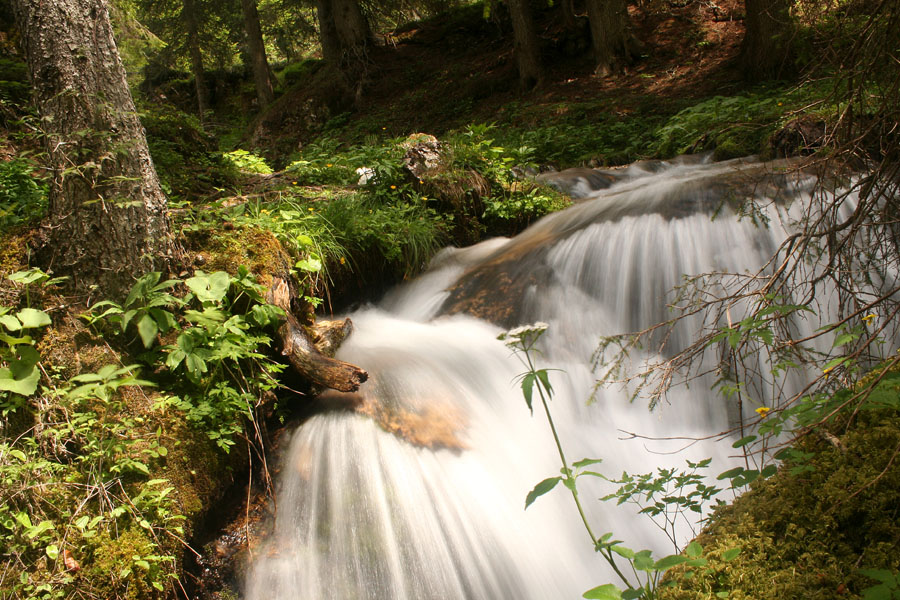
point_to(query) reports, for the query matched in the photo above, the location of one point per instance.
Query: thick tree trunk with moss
(767, 48)
(191, 19)
(527, 47)
(107, 220)
(615, 46)
(257, 49)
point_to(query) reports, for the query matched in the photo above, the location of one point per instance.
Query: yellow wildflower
(869, 318)
(763, 411)
(264, 211)
(293, 183)
(393, 187)
(342, 261)
(827, 371)
(327, 164)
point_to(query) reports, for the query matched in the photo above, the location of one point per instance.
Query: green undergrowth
(827, 525)
(184, 154)
(742, 124)
(117, 427)
(340, 210)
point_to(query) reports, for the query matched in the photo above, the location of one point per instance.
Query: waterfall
(415, 487)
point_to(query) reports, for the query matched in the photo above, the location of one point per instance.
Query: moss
(806, 536)
(112, 571)
(257, 249)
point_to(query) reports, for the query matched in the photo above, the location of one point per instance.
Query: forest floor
(442, 74)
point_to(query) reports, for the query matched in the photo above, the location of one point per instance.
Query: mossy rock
(806, 532)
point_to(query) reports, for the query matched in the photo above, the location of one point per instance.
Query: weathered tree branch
(301, 349)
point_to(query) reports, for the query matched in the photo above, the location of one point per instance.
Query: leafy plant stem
(567, 474)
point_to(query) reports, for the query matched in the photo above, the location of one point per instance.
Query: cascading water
(414, 488)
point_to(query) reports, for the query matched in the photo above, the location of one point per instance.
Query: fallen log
(299, 346)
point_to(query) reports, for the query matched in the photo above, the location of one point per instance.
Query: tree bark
(257, 49)
(614, 45)
(328, 36)
(352, 27)
(568, 14)
(527, 49)
(767, 50)
(191, 22)
(107, 221)
(303, 353)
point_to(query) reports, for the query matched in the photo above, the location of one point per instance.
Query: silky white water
(420, 495)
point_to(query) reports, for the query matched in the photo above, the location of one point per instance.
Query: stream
(414, 488)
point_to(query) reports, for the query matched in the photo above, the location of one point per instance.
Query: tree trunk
(191, 22)
(527, 49)
(328, 36)
(568, 14)
(107, 221)
(352, 27)
(257, 48)
(766, 51)
(614, 45)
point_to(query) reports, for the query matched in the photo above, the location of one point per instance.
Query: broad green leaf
(623, 551)
(309, 265)
(39, 529)
(32, 318)
(140, 287)
(10, 322)
(527, 389)
(697, 562)
(744, 441)
(878, 592)
(730, 554)
(164, 319)
(643, 561)
(15, 341)
(694, 550)
(22, 376)
(541, 489)
(882, 575)
(603, 592)
(28, 277)
(209, 288)
(147, 329)
(586, 461)
(667, 562)
(731, 473)
(52, 551)
(768, 471)
(545, 379)
(834, 363)
(195, 364)
(844, 338)
(23, 519)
